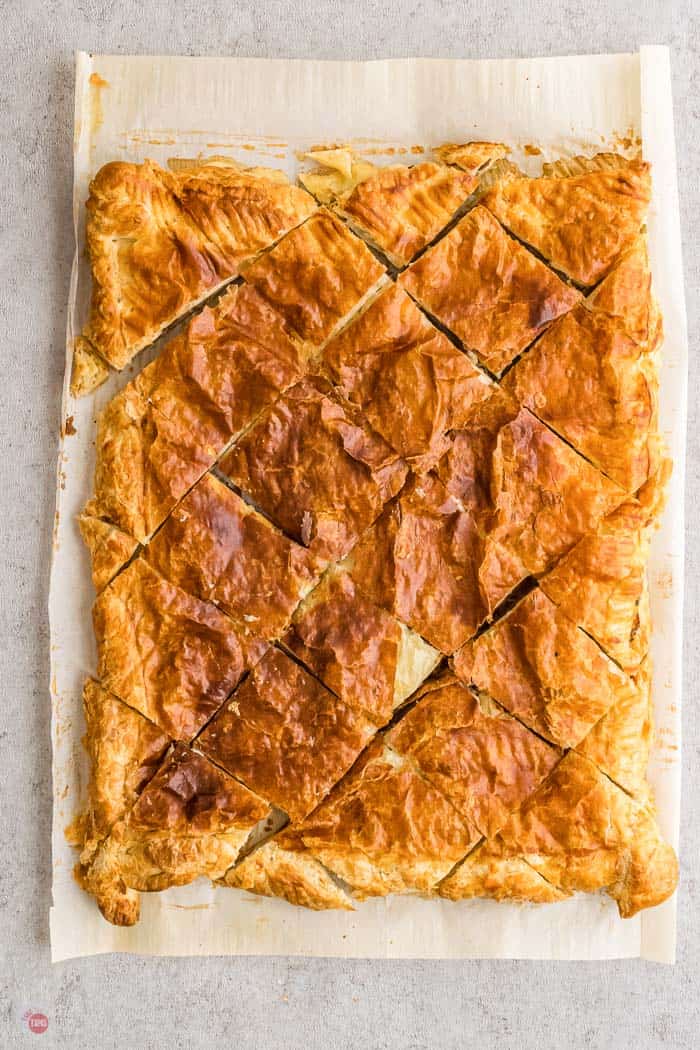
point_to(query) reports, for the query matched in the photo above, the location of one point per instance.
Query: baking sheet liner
(266, 112)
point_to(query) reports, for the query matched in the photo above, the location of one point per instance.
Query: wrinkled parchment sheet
(267, 112)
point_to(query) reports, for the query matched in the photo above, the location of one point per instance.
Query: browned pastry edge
(196, 226)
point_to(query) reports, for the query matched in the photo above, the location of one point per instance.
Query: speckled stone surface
(276, 1003)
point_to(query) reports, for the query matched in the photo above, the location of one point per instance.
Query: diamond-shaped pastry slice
(485, 762)
(285, 735)
(545, 670)
(385, 829)
(125, 751)
(160, 433)
(601, 584)
(619, 744)
(231, 361)
(369, 659)
(543, 496)
(313, 466)
(509, 498)
(216, 546)
(583, 833)
(421, 562)
(399, 208)
(109, 547)
(581, 223)
(409, 381)
(315, 276)
(145, 463)
(284, 867)
(485, 873)
(160, 241)
(171, 656)
(495, 295)
(192, 819)
(593, 376)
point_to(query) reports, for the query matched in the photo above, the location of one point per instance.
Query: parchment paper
(265, 112)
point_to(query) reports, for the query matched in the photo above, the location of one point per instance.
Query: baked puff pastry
(165, 428)
(283, 867)
(316, 276)
(316, 469)
(171, 656)
(580, 832)
(125, 751)
(386, 829)
(593, 376)
(602, 585)
(192, 819)
(506, 501)
(217, 547)
(495, 295)
(485, 762)
(285, 735)
(370, 546)
(160, 241)
(543, 669)
(409, 381)
(398, 208)
(579, 223)
(365, 656)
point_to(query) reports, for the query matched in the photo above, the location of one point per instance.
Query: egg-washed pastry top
(369, 534)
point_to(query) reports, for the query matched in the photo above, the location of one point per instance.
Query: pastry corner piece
(399, 209)
(579, 832)
(191, 819)
(579, 223)
(284, 868)
(160, 241)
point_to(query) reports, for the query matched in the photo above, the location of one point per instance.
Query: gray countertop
(268, 1003)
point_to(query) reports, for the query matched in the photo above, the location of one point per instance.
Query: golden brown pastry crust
(438, 488)
(485, 762)
(88, 370)
(285, 735)
(159, 434)
(495, 295)
(486, 874)
(405, 376)
(619, 744)
(171, 656)
(215, 546)
(314, 467)
(545, 670)
(365, 656)
(601, 584)
(509, 498)
(402, 209)
(473, 157)
(545, 497)
(593, 376)
(192, 819)
(231, 361)
(580, 224)
(284, 867)
(315, 276)
(581, 832)
(125, 751)
(159, 241)
(421, 561)
(384, 829)
(145, 462)
(109, 547)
